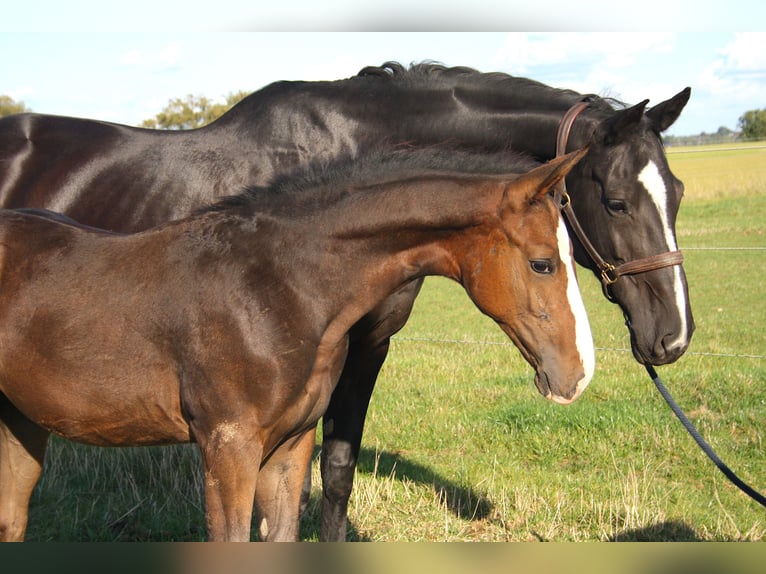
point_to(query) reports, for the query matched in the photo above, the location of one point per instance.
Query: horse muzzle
(662, 348)
(562, 394)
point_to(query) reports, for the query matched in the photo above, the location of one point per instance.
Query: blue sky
(127, 77)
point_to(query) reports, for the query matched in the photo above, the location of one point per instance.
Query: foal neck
(407, 230)
(423, 207)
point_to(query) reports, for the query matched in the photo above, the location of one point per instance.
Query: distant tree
(8, 106)
(191, 112)
(753, 124)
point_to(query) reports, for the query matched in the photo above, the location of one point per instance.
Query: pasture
(459, 445)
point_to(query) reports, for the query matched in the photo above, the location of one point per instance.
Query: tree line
(195, 111)
(191, 112)
(184, 113)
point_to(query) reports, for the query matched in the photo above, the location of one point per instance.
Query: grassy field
(460, 446)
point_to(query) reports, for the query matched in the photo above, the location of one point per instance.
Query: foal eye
(542, 266)
(617, 205)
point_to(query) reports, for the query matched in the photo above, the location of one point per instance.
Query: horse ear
(622, 122)
(663, 115)
(541, 180)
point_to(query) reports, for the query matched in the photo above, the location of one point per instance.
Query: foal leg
(231, 461)
(278, 493)
(22, 450)
(343, 421)
(306, 489)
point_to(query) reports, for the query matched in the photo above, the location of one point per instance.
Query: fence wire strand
(611, 349)
(397, 338)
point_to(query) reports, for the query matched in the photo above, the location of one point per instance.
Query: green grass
(459, 445)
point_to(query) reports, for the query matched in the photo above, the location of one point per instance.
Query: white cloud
(22, 92)
(610, 50)
(132, 58)
(167, 58)
(170, 56)
(610, 64)
(747, 52)
(739, 72)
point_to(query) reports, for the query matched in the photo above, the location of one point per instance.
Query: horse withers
(230, 328)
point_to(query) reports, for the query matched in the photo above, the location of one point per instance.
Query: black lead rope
(706, 448)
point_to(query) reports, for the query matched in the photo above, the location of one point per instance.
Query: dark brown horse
(624, 195)
(230, 328)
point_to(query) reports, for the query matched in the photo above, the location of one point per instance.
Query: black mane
(377, 167)
(433, 73)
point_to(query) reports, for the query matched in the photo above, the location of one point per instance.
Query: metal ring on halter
(608, 274)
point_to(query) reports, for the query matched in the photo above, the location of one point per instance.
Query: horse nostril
(673, 345)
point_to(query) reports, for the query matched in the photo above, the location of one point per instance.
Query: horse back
(40, 152)
(123, 178)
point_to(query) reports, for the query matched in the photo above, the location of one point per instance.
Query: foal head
(523, 277)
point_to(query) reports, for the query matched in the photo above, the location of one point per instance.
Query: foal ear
(664, 114)
(545, 178)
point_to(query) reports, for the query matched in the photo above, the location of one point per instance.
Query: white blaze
(583, 336)
(652, 180)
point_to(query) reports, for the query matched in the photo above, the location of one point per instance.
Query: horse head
(627, 200)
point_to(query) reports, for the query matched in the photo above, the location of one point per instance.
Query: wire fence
(612, 349)
(695, 149)
(398, 338)
(724, 249)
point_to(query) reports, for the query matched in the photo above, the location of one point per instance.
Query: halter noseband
(608, 273)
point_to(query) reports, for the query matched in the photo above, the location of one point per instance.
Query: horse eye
(617, 205)
(542, 266)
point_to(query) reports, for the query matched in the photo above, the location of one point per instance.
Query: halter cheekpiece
(608, 273)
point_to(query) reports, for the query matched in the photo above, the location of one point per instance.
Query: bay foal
(230, 328)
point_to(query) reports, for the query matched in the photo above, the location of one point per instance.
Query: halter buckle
(608, 274)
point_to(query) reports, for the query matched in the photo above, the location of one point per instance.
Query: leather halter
(608, 273)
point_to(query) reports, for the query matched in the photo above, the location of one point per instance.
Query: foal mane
(325, 179)
(429, 73)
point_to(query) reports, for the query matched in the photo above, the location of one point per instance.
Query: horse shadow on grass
(461, 501)
(665, 531)
(156, 494)
(103, 494)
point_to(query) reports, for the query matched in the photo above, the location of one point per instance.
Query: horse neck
(510, 123)
(337, 117)
(506, 113)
